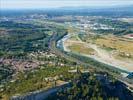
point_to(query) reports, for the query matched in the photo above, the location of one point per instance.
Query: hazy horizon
(40, 4)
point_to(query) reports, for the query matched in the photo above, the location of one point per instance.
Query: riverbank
(99, 55)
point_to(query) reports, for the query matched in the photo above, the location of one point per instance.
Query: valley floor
(99, 54)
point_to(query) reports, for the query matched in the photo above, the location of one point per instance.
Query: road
(54, 49)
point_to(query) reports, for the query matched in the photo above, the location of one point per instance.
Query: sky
(36, 4)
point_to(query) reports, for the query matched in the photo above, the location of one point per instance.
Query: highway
(57, 51)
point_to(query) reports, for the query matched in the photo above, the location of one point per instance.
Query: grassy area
(116, 43)
(81, 48)
(123, 48)
(74, 37)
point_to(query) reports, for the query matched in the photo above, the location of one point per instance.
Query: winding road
(53, 48)
(39, 95)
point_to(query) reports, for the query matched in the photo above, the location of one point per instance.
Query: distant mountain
(111, 8)
(82, 10)
(114, 10)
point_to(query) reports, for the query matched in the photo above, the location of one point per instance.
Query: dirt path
(106, 57)
(101, 55)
